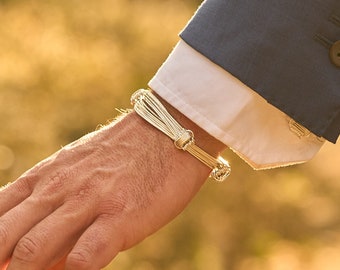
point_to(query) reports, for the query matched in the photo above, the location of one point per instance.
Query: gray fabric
(271, 47)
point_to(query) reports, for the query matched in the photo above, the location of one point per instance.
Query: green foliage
(66, 65)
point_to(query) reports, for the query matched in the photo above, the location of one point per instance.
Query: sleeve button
(335, 53)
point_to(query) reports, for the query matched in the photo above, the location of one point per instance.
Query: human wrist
(140, 135)
(150, 108)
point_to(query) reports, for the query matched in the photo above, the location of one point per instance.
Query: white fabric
(230, 111)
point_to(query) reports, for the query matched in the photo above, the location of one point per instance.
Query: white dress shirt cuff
(231, 112)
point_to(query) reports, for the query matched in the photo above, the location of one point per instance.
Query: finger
(19, 220)
(98, 245)
(51, 239)
(14, 193)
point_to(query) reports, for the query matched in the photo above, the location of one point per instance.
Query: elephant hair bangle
(152, 110)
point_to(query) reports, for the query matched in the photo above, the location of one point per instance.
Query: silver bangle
(151, 109)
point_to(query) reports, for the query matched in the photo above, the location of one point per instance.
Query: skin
(99, 195)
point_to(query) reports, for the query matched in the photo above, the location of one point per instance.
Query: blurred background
(65, 65)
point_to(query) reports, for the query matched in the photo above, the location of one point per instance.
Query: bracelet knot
(221, 171)
(185, 138)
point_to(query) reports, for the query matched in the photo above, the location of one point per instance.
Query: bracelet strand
(152, 110)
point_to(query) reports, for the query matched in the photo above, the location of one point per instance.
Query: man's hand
(99, 195)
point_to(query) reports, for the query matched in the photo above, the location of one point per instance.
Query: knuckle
(112, 208)
(83, 195)
(27, 250)
(80, 260)
(55, 182)
(86, 190)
